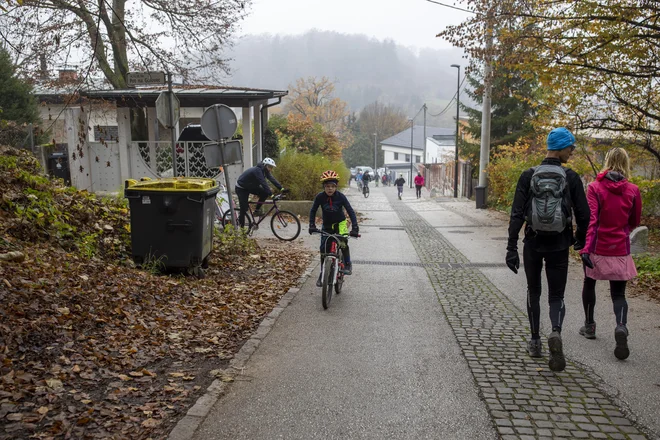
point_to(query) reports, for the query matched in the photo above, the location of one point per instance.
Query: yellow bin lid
(172, 184)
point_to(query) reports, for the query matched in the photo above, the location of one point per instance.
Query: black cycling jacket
(255, 178)
(332, 209)
(548, 243)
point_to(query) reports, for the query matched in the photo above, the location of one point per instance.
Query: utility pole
(458, 87)
(484, 152)
(172, 127)
(412, 128)
(375, 152)
(424, 157)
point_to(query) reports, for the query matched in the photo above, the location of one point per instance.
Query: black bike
(284, 224)
(332, 274)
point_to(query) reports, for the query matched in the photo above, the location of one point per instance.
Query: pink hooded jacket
(616, 209)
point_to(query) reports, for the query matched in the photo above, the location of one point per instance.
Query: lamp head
(456, 65)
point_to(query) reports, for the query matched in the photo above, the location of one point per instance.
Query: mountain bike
(365, 190)
(284, 224)
(332, 272)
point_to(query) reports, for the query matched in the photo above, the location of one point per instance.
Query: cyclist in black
(333, 203)
(253, 181)
(366, 178)
(549, 247)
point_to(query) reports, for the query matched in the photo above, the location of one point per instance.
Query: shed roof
(189, 95)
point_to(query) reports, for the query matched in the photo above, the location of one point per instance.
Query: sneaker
(557, 361)
(588, 330)
(621, 350)
(348, 269)
(319, 283)
(535, 348)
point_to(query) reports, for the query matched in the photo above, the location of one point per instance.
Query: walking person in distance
(616, 209)
(399, 185)
(545, 200)
(419, 183)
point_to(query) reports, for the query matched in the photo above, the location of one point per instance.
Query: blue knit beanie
(560, 138)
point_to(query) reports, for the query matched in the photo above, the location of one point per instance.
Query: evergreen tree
(17, 103)
(512, 111)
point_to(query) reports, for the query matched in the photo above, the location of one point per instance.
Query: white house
(399, 149)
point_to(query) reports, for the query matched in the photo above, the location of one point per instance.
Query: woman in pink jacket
(419, 183)
(616, 208)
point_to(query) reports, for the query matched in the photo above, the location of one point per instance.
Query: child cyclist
(333, 203)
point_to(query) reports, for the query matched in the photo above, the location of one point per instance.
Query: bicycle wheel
(328, 269)
(340, 277)
(226, 219)
(285, 225)
(366, 192)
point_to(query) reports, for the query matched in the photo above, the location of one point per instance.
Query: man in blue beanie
(546, 198)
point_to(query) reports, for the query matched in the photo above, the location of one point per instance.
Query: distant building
(440, 148)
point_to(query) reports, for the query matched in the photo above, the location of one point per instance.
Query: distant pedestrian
(419, 183)
(384, 179)
(616, 209)
(399, 185)
(545, 199)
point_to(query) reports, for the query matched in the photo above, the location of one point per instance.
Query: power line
(453, 7)
(450, 102)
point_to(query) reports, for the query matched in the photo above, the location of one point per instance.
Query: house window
(396, 156)
(407, 157)
(417, 159)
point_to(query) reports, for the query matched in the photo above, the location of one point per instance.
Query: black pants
(556, 272)
(618, 294)
(243, 195)
(418, 188)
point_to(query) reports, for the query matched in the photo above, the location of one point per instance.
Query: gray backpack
(550, 208)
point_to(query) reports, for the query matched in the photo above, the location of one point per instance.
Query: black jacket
(332, 209)
(548, 243)
(400, 181)
(255, 178)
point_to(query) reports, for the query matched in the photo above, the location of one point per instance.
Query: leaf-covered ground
(91, 347)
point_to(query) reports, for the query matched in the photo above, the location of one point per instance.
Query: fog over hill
(364, 69)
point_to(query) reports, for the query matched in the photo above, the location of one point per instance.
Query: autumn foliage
(90, 346)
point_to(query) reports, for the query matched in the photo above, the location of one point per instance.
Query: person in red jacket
(419, 183)
(616, 209)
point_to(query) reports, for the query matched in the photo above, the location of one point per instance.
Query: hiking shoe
(621, 350)
(535, 348)
(319, 283)
(557, 361)
(348, 269)
(588, 330)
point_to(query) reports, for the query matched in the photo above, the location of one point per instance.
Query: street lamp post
(412, 128)
(375, 152)
(458, 87)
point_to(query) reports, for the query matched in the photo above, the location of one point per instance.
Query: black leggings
(618, 293)
(556, 271)
(418, 188)
(243, 195)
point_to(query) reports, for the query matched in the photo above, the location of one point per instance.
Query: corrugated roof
(403, 139)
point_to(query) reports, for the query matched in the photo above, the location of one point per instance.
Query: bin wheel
(199, 272)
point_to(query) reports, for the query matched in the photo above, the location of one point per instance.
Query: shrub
(511, 160)
(650, 190)
(505, 169)
(300, 173)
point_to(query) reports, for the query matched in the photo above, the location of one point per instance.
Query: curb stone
(186, 427)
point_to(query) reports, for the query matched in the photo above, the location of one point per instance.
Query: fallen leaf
(43, 410)
(55, 384)
(151, 423)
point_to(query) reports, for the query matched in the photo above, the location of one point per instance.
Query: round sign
(219, 122)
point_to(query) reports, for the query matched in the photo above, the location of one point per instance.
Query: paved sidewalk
(427, 340)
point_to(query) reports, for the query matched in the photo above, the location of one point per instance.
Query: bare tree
(184, 37)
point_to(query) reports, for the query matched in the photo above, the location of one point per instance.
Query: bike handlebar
(318, 231)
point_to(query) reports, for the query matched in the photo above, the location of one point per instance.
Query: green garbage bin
(172, 221)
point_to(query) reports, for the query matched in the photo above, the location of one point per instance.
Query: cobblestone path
(525, 399)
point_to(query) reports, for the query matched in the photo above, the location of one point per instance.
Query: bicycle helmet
(269, 161)
(329, 176)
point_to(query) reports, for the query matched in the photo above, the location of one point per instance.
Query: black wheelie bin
(172, 221)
